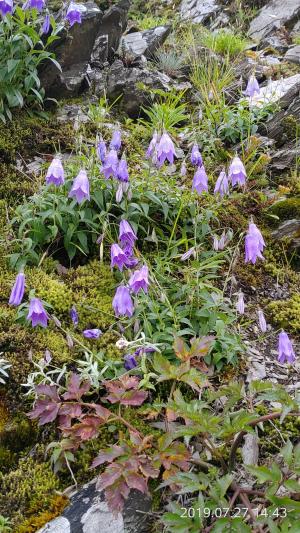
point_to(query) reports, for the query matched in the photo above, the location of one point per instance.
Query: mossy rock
(27, 490)
(35, 522)
(286, 314)
(287, 209)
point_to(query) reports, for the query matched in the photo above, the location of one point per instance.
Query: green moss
(286, 314)
(27, 490)
(34, 523)
(286, 209)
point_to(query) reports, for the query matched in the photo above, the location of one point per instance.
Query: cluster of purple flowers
(161, 149)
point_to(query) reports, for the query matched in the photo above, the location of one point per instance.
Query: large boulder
(144, 43)
(199, 11)
(273, 16)
(94, 41)
(131, 85)
(88, 513)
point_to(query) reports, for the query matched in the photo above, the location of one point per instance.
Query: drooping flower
(92, 333)
(34, 4)
(152, 145)
(122, 172)
(37, 314)
(240, 306)
(254, 244)
(222, 185)
(200, 180)
(216, 243)
(122, 302)
(17, 292)
(80, 188)
(101, 151)
(127, 236)
(111, 164)
(237, 173)
(74, 315)
(196, 157)
(55, 173)
(165, 150)
(6, 6)
(139, 280)
(286, 352)
(118, 257)
(262, 321)
(73, 14)
(183, 170)
(46, 25)
(116, 141)
(188, 254)
(130, 361)
(252, 87)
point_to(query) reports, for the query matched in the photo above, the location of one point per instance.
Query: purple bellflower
(111, 165)
(122, 302)
(122, 172)
(46, 25)
(262, 321)
(165, 150)
(130, 362)
(188, 254)
(34, 4)
(55, 173)
(139, 280)
(101, 151)
(118, 257)
(252, 87)
(254, 244)
(74, 315)
(17, 292)
(237, 173)
(127, 236)
(196, 157)
(37, 314)
(222, 185)
(115, 143)
(286, 352)
(73, 14)
(240, 306)
(152, 145)
(6, 6)
(80, 188)
(200, 180)
(92, 333)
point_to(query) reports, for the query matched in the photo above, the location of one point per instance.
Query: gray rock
(276, 43)
(144, 42)
(113, 25)
(285, 159)
(199, 11)
(293, 55)
(127, 83)
(88, 513)
(287, 229)
(273, 16)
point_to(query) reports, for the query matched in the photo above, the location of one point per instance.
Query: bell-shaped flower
(139, 280)
(6, 6)
(111, 165)
(101, 151)
(200, 180)
(73, 14)
(130, 361)
(74, 315)
(237, 173)
(152, 145)
(80, 188)
(37, 314)
(222, 185)
(122, 302)
(34, 4)
(286, 352)
(165, 150)
(127, 236)
(122, 173)
(196, 157)
(92, 333)
(17, 293)
(55, 173)
(240, 306)
(252, 87)
(262, 321)
(116, 141)
(118, 257)
(254, 244)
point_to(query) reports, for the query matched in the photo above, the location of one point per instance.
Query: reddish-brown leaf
(76, 388)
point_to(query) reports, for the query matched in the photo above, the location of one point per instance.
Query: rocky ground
(181, 67)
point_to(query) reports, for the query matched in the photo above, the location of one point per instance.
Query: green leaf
(263, 473)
